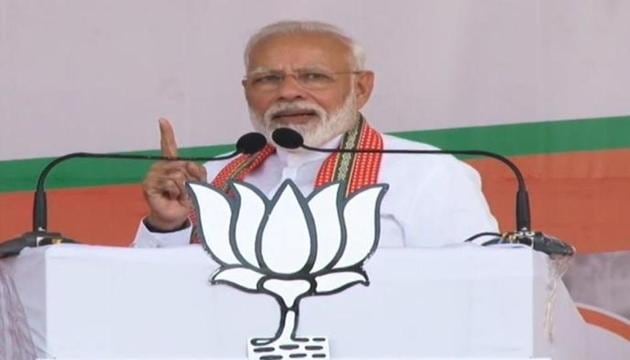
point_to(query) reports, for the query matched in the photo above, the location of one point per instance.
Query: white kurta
(433, 200)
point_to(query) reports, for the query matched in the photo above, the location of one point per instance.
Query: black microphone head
(251, 143)
(287, 138)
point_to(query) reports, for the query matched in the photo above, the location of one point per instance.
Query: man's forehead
(308, 49)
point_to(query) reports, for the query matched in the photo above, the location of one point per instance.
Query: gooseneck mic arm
(247, 144)
(40, 218)
(291, 139)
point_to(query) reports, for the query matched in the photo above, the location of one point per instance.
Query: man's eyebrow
(313, 67)
(260, 70)
(266, 70)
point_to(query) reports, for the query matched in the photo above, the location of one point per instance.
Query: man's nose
(291, 89)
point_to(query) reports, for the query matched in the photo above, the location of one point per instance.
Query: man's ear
(245, 92)
(364, 84)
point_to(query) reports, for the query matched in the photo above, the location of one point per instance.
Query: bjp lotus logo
(289, 247)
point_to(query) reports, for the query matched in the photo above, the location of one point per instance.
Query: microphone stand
(291, 139)
(40, 236)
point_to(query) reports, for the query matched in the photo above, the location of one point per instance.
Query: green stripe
(21, 175)
(533, 138)
(510, 140)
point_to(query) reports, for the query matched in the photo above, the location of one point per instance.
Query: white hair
(307, 27)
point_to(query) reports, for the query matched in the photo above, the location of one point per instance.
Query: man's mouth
(294, 116)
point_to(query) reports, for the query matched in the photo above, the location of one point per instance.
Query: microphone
(291, 139)
(248, 144)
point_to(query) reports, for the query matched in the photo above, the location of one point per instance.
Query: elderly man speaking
(311, 77)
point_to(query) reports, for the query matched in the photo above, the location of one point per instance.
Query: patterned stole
(354, 171)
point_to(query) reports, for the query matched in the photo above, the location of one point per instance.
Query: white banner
(95, 75)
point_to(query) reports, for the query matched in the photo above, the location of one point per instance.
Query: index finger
(168, 145)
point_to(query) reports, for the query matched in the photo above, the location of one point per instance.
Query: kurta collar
(298, 157)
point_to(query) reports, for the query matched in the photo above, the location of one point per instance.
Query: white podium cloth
(15, 336)
(101, 302)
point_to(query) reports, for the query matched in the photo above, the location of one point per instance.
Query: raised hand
(164, 185)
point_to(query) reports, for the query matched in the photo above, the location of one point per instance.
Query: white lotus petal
(286, 244)
(214, 219)
(288, 290)
(360, 216)
(250, 215)
(327, 225)
(334, 281)
(239, 276)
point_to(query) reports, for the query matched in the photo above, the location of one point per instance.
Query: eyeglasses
(307, 78)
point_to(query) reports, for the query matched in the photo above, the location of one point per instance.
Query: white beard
(315, 133)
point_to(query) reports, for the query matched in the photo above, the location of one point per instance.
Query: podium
(454, 302)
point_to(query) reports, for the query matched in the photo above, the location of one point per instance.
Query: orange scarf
(354, 171)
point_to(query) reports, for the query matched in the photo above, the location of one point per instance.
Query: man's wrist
(164, 229)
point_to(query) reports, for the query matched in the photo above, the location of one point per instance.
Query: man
(310, 77)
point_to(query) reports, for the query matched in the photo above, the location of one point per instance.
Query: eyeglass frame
(246, 81)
